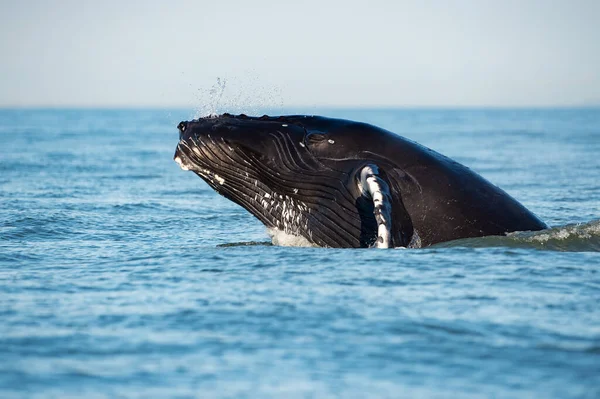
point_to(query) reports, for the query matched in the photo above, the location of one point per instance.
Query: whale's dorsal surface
(340, 183)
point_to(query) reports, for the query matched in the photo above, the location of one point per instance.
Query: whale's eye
(314, 138)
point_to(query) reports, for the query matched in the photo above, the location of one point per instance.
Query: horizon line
(301, 106)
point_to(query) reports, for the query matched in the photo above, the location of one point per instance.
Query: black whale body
(302, 174)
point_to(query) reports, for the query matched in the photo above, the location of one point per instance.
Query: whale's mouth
(208, 158)
(185, 163)
(236, 173)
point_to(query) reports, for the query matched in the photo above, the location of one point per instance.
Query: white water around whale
(574, 237)
(578, 237)
(280, 237)
(578, 231)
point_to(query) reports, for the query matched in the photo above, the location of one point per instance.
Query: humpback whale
(345, 184)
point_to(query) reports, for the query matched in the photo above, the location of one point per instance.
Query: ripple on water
(121, 276)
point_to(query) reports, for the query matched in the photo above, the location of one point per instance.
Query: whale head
(303, 175)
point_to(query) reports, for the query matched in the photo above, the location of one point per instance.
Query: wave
(579, 237)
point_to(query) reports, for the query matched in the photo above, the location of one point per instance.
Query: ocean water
(122, 276)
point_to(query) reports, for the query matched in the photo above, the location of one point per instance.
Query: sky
(81, 53)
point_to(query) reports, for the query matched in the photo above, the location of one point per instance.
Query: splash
(281, 238)
(216, 93)
(585, 231)
(573, 237)
(580, 237)
(246, 94)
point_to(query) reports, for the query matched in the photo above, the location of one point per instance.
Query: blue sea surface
(122, 276)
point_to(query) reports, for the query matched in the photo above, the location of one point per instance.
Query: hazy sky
(302, 52)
